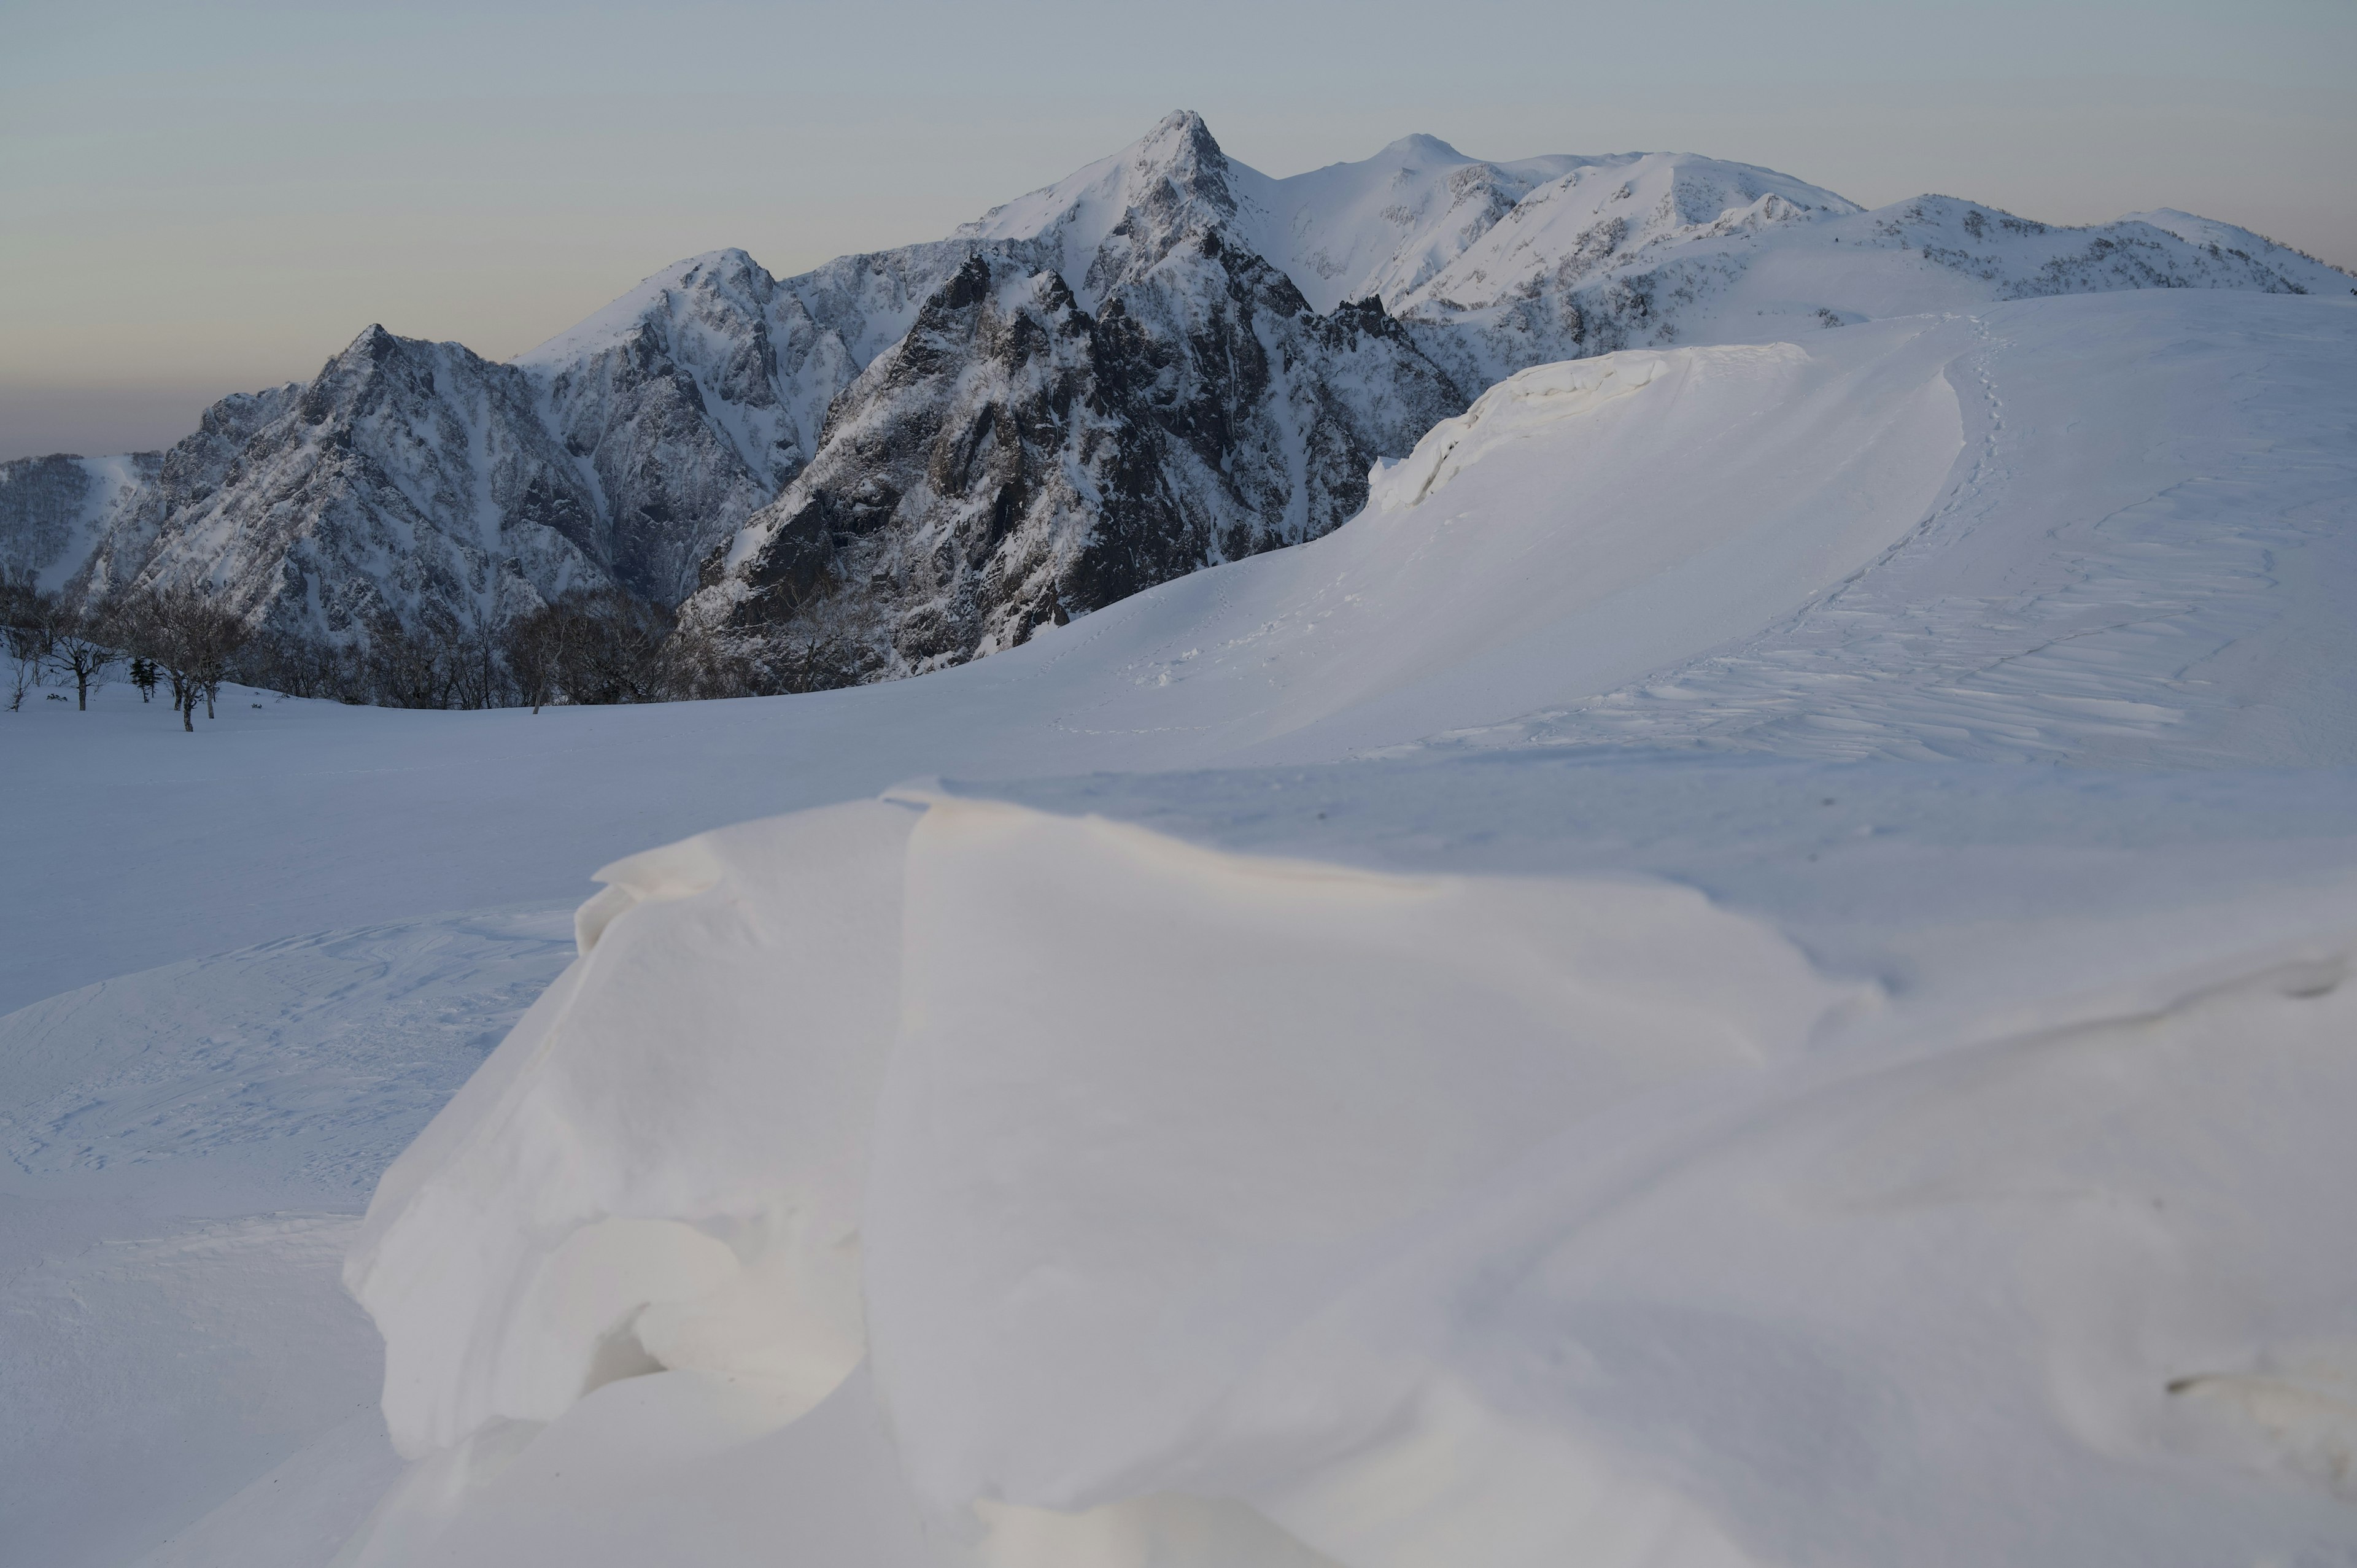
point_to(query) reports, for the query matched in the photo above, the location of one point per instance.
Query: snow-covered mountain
(407, 479)
(1114, 388)
(904, 459)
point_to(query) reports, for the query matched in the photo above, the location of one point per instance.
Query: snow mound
(1046, 1190)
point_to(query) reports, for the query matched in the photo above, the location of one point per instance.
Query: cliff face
(407, 483)
(1017, 457)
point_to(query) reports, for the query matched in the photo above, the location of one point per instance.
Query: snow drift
(1190, 1207)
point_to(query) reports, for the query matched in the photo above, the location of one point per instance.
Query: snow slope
(54, 511)
(213, 1125)
(1551, 1020)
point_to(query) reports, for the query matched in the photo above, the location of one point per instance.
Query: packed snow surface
(1576, 1018)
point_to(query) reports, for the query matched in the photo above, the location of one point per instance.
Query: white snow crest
(1520, 406)
(1484, 1219)
(670, 1166)
(515, 1267)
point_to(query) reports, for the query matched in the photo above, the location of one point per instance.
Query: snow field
(186, 1151)
(1551, 1021)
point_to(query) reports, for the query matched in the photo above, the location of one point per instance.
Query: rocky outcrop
(408, 483)
(1017, 457)
(1121, 386)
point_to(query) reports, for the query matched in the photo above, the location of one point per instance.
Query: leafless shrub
(28, 626)
(191, 636)
(588, 648)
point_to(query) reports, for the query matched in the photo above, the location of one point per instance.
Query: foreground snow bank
(935, 1181)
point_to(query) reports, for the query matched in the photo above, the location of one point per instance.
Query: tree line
(600, 647)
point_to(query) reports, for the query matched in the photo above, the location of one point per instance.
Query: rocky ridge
(904, 459)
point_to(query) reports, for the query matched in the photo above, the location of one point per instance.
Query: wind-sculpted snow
(1424, 1217)
(2139, 574)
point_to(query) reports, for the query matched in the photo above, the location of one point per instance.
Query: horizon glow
(210, 197)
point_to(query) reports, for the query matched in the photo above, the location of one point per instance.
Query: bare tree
(616, 651)
(413, 667)
(191, 636)
(217, 635)
(28, 623)
(533, 645)
(81, 650)
(478, 680)
(698, 662)
(588, 648)
(300, 666)
(140, 620)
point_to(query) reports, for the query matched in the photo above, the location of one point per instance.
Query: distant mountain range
(914, 458)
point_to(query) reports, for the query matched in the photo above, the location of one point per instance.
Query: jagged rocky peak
(1018, 455)
(935, 517)
(1116, 220)
(719, 288)
(408, 485)
(686, 405)
(374, 367)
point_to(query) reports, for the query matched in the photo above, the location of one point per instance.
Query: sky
(199, 198)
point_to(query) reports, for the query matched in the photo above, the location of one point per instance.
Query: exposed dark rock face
(684, 422)
(409, 482)
(1015, 456)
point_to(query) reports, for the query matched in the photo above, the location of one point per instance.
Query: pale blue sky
(200, 197)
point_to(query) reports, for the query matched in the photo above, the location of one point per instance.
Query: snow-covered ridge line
(861, 472)
(1076, 1190)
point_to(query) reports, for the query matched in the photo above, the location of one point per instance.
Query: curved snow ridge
(729, 272)
(1529, 404)
(1050, 1191)
(1582, 525)
(2143, 559)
